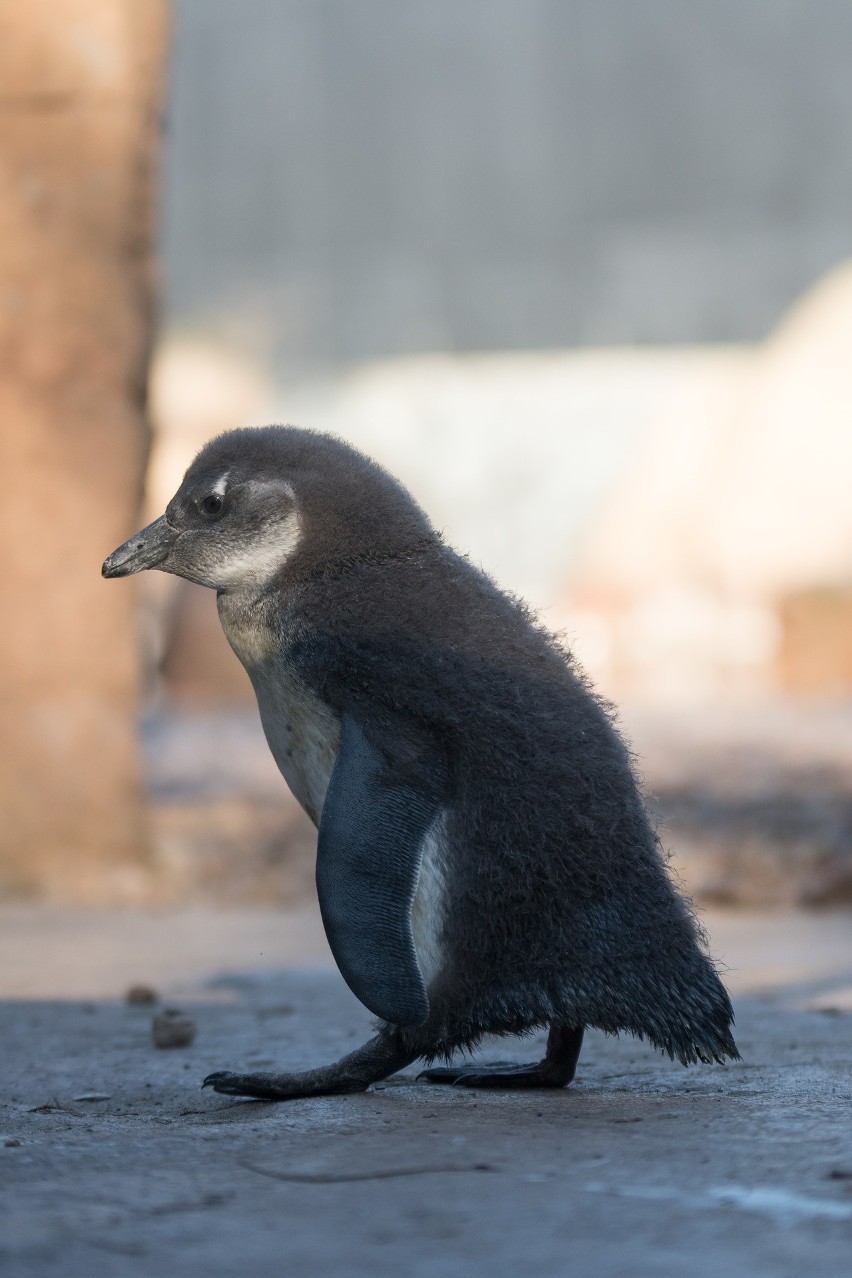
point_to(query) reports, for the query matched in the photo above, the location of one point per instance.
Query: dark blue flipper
(368, 861)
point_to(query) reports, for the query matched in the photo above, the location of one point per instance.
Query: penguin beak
(147, 549)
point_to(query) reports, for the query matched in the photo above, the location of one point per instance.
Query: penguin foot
(383, 1055)
(277, 1087)
(505, 1074)
(556, 1070)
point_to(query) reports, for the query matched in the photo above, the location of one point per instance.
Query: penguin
(485, 860)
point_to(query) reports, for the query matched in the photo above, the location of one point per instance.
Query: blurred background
(578, 271)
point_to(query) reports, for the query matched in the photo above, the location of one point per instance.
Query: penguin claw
(223, 1081)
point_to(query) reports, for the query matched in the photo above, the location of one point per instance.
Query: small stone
(141, 995)
(173, 1028)
(13, 1143)
(93, 1096)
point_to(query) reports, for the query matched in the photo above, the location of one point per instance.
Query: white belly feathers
(303, 735)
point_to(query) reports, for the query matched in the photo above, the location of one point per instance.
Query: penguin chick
(485, 864)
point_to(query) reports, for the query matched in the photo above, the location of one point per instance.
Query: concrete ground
(113, 1162)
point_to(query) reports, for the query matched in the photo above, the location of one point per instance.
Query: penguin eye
(211, 504)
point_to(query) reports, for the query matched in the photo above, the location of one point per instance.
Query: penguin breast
(303, 735)
(302, 732)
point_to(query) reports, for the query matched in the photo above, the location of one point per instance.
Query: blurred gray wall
(351, 178)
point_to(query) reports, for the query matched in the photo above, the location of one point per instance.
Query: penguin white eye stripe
(272, 485)
(221, 484)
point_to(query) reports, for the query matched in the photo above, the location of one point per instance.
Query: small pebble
(173, 1028)
(141, 994)
(12, 1144)
(93, 1096)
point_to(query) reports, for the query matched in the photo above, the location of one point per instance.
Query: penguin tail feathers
(718, 1047)
(694, 1024)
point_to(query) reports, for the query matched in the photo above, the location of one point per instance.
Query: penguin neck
(254, 620)
(247, 620)
(369, 557)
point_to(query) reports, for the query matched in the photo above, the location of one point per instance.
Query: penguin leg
(556, 1070)
(381, 1056)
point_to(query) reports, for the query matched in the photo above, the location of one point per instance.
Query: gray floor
(641, 1168)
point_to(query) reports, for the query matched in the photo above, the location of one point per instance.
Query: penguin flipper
(371, 834)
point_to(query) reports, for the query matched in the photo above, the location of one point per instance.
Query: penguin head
(258, 501)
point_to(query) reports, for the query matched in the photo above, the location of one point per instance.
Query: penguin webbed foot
(278, 1087)
(556, 1070)
(381, 1056)
(497, 1074)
